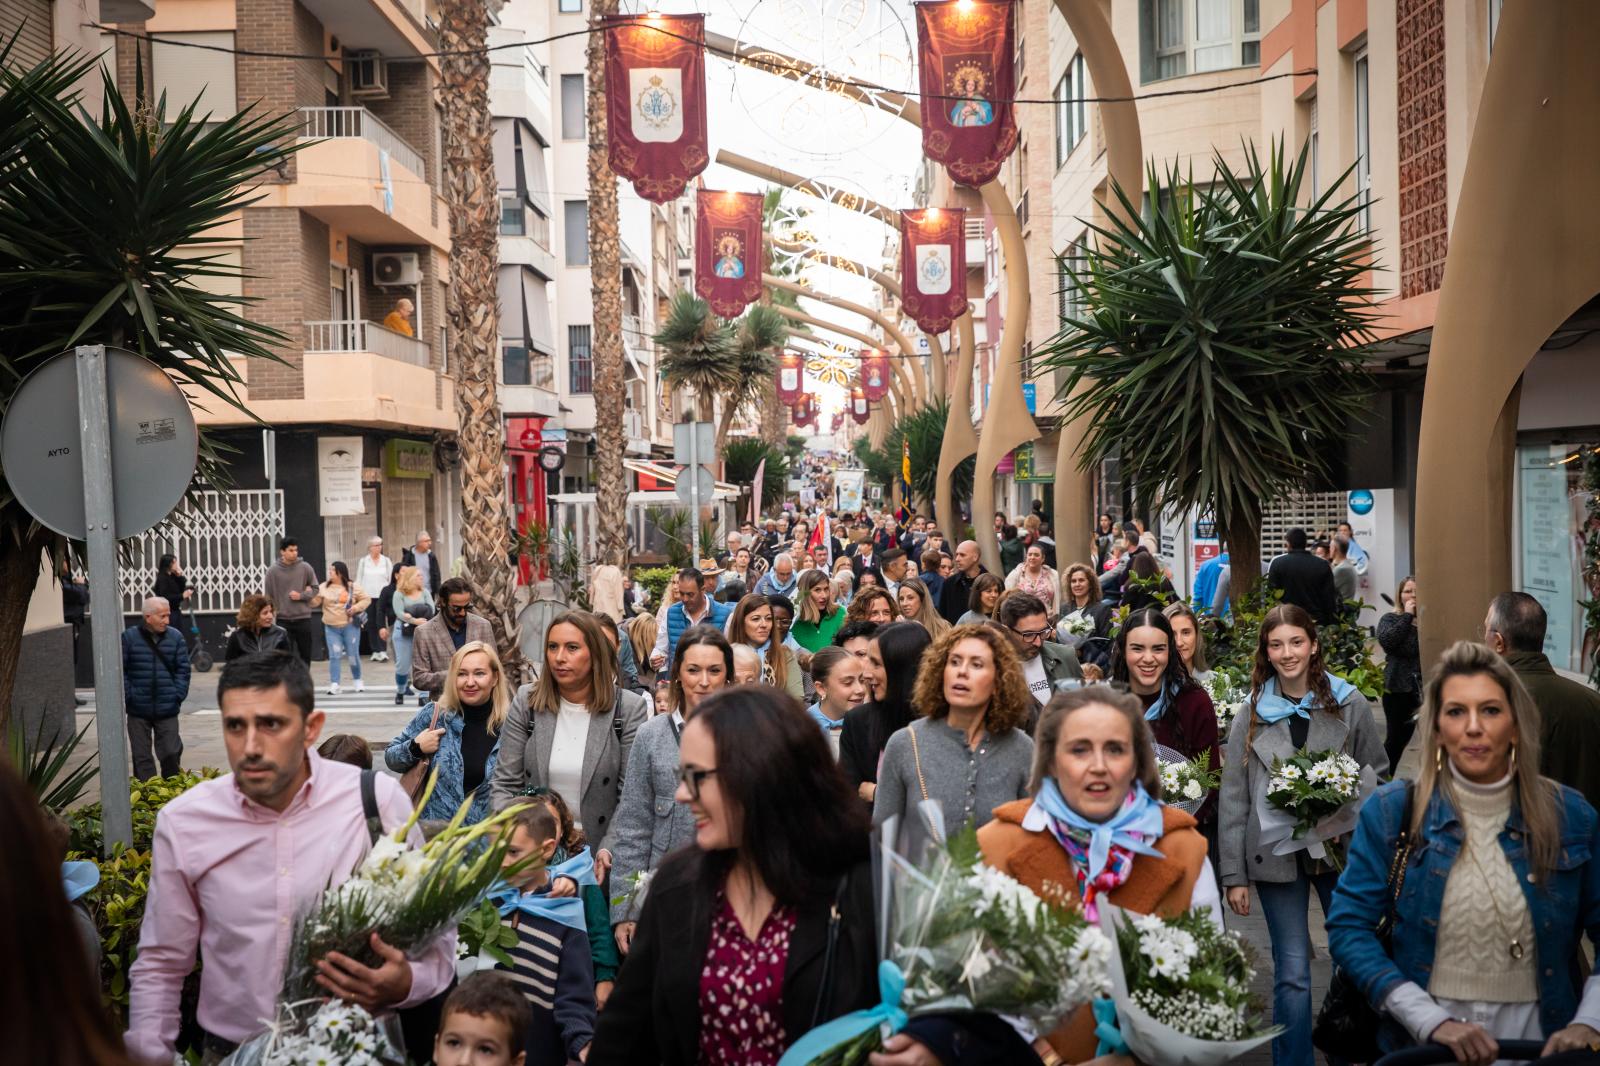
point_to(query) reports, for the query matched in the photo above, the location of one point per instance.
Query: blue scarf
(1129, 828)
(1272, 708)
(1154, 712)
(79, 879)
(567, 910)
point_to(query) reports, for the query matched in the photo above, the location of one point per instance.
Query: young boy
(481, 1024)
(551, 962)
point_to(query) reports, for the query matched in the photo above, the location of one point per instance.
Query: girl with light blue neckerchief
(1295, 703)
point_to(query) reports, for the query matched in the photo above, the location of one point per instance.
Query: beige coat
(337, 605)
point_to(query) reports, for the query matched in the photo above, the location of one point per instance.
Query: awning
(667, 474)
(505, 156)
(536, 313)
(513, 306)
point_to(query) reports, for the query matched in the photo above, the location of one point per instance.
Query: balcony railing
(340, 122)
(357, 335)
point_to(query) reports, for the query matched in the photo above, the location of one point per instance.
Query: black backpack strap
(616, 714)
(369, 804)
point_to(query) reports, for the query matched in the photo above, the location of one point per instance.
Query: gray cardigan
(1241, 857)
(968, 784)
(650, 822)
(525, 742)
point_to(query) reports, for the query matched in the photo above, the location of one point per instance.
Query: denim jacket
(447, 793)
(1562, 909)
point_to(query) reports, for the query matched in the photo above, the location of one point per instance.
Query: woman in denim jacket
(1498, 888)
(464, 742)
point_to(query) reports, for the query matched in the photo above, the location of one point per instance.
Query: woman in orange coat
(1095, 821)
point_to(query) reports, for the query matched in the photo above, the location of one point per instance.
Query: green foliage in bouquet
(482, 932)
(1191, 975)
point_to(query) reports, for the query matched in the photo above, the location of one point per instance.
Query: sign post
(693, 444)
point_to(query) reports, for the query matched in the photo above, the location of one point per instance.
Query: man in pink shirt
(236, 859)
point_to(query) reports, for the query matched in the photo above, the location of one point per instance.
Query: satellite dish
(154, 444)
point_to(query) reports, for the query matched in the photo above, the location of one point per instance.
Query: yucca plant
(741, 457)
(756, 336)
(924, 429)
(103, 241)
(1219, 353)
(698, 352)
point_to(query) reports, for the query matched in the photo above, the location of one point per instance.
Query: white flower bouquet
(334, 1034)
(966, 937)
(1186, 784)
(1228, 697)
(1312, 798)
(634, 894)
(1182, 990)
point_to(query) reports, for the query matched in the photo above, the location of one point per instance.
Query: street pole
(694, 487)
(99, 512)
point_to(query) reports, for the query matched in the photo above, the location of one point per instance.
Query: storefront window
(1552, 516)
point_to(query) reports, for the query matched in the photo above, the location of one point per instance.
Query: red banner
(933, 266)
(656, 101)
(838, 421)
(791, 377)
(860, 409)
(965, 51)
(804, 413)
(727, 250)
(874, 375)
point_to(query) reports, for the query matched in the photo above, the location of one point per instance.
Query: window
(580, 360)
(573, 118)
(1363, 143)
(1069, 301)
(576, 219)
(1071, 111)
(513, 219)
(187, 74)
(514, 365)
(1178, 37)
(570, 7)
(1314, 141)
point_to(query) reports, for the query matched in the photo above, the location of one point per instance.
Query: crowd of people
(735, 746)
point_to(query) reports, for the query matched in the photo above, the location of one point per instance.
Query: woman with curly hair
(258, 629)
(873, 604)
(968, 750)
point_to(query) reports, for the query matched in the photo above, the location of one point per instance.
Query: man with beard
(1044, 662)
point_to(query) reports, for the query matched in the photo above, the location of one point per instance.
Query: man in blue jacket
(155, 682)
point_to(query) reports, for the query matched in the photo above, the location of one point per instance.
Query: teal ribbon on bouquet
(566, 910)
(826, 1037)
(1272, 708)
(1107, 1030)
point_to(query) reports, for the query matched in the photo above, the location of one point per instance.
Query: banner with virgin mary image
(656, 101)
(933, 266)
(874, 374)
(727, 250)
(965, 54)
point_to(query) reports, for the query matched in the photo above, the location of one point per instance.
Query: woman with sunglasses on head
(752, 626)
(1294, 703)
(649, 823)
(1499, 881)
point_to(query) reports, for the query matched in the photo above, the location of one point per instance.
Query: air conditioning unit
(396, 268)
(368, 75)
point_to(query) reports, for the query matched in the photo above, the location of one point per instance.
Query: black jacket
(653, 1015)
(1306, 581)
(247, 642)
(170, 587)
(955, 593)
(435, 579)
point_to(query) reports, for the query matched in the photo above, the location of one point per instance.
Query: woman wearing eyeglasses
(649, 822)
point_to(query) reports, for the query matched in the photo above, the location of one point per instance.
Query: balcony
(359, 176)
(352, 388)
(527, 381)
(392, 27)
(357, 335)
(633, 432)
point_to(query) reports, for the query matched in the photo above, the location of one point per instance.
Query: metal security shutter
(35, 19)
(1316, 512)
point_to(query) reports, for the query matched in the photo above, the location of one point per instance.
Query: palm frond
(698, 348)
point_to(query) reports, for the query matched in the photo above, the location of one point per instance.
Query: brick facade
(1420, 99)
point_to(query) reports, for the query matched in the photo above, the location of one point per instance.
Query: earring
(1513, 758)
(1438, 760)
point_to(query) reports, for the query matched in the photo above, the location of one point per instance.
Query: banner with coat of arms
(727, 250)
(965, 52)
(874, 373)
(860, 409)
(933, 266)
(656, 101)
(791, 377)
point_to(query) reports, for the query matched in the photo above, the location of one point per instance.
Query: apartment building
(345, 236)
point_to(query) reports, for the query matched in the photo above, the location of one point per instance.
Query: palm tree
(699, 353)
(470, 191)
(1220, 355)
(741, 458)
(103, 240)
(605, 274)
(924, 429)
(756, 335)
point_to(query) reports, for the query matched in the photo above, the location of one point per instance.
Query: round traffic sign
(154, 444)
(551, 458)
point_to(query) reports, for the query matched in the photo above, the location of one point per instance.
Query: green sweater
(814, 636)
(602, 948)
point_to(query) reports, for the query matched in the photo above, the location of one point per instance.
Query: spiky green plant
(757, 335)
(698, 352)
(740, 459)
(1219, 355)
(924, 428)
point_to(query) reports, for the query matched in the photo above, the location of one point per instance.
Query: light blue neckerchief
(1154, 712)
(1272, 708)
(79, 878)
(567, 910)
(1128, 828)
(887, 1016)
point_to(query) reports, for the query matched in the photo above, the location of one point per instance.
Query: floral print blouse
(741, 988)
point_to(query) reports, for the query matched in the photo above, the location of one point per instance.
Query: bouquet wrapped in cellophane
(965, 937)
(324, 1033)
(1312, 799)
(1181, 989)
(408, 896)
(1185, 784)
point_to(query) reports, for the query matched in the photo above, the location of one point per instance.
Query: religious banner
(874, 374)
(860, 409)
(965, 56)
(933, 266)
(804, 413)
(791, 377)
(727, 250)
(656, 101)
(838, 421)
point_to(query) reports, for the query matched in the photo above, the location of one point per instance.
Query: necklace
(1514, 949)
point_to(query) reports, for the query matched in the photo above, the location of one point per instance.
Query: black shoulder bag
(819, 1013)
(1347, 1025)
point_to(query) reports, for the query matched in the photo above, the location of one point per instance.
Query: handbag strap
(829, 956)
(1398, 862)
(916, 758)
(369, 804)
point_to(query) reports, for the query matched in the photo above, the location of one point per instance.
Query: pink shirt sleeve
(167, 940)
(432, 970)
